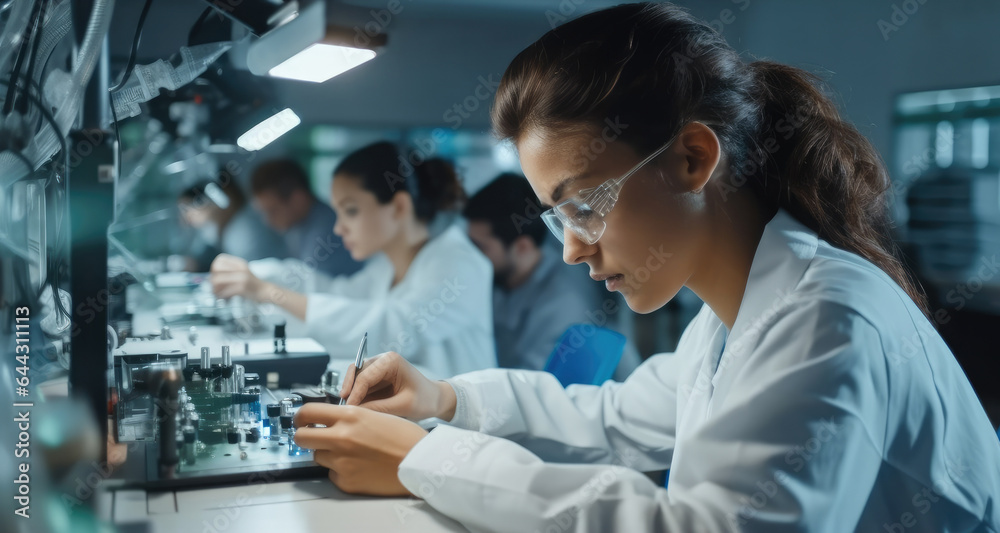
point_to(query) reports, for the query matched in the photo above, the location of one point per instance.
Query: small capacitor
(330, 382)
(286, 406)
(188, 451)
(233, 436)
(273, 412)
(279, 338)
(227, 359)
(206, 358)
(294, 449)
(253, 436)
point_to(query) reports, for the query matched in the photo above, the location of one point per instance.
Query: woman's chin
(359, 255)
(643, 302)
(636, 302)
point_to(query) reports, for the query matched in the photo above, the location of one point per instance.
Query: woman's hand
(389, 384)
(362, 448)
(231, 276)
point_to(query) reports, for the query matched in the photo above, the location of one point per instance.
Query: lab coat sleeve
(582, 423)
(298, 276)
(796, 448)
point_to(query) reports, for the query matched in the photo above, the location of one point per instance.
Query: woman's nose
(338, 228)
(576, 251)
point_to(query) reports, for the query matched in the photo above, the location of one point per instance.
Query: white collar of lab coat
(440, 243)
(785, 250)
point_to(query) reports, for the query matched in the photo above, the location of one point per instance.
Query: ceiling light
(268, 130)
(304, 48)
(321, 62)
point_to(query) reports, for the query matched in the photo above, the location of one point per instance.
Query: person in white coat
(811, 392)
(424, 292)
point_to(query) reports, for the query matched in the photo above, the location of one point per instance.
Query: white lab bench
(303, 506)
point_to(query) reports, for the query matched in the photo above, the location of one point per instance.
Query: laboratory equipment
(200, 421)
(280, 340)
(146, 80)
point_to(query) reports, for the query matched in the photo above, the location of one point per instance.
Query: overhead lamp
(320, 62)
(269, 129)
(296, 43)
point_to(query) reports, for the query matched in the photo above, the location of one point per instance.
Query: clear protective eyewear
(584, 213)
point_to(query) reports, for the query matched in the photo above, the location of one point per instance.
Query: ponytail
(834, 180)
(384, 171)
(438, 189)
(654, 67)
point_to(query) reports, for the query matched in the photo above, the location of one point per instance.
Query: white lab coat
(835, 407)
(439, 316)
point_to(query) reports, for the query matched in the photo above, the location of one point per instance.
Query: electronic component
(280, 340)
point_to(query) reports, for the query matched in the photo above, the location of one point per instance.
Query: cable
(52, 274)
(29, 75)
(118, 135)
(27, 163)
(135, 48)
(22, 53)
(47, 115)
(197, 24)
(125, 76)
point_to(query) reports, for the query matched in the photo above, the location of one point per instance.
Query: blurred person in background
(224, 223)
(536, 296)
(422, 293)
(282, 194)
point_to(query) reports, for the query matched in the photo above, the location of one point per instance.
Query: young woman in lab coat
(811, 393)
(426, 295)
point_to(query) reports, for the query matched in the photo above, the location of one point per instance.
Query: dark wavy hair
(281, 177)
(506, 204)
(385, 171)
(654, 67)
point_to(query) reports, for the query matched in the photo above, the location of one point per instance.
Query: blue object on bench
(586, 354)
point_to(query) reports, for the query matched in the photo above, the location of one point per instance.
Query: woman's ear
(693, 158)
(402, 205)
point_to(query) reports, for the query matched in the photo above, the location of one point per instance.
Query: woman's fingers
(230, 276)
(224, 263)
(323, 458)
(345, 391)
(315, 439)
(333, 478)
(378, 373)
(228, 284)
(321, 413)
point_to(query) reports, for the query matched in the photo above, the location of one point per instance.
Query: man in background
(536, 296)
(225, 223)
(281, 193)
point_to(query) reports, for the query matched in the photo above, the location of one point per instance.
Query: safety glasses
(584, 212)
